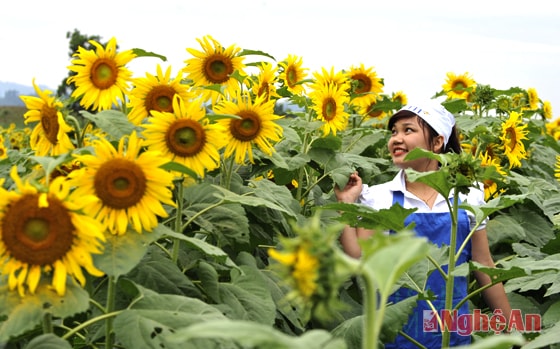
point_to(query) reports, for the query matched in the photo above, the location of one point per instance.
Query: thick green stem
(47, 323)
(450, 282)
(111, 294)
(178, 220)
(370, 330)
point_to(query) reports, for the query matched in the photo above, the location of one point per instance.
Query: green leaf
(256, 335)
(112, 122)
(547, 337)
(48, 341)
(143, 53)
(208, 249)
(364, 216)
(503, 341)
(51, 163)
(175, 166)
(230, 197)
(123, 252)
(26, 313)
(158, 272)
(481, 212)
(155, 316)
(387, 257)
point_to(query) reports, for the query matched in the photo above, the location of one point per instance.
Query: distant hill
(10, 92)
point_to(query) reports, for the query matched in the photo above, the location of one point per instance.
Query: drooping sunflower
(155, 93)
(130, 184)
(186, 136)
(304, 268)
(293, 74)
(50, 135)
(102, 78)
(265, 84)
(512, 136)
(532, 98)
(329, 103)
(365, 85)
(553, 128)
(45, 234)
(327, 77)
(255, 126)
(547, 110)
(459, 86)
(490, 186)
(3, 149)
(214, 65)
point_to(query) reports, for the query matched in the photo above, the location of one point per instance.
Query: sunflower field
(194, 208)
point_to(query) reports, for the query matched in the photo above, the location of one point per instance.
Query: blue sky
(410, 44)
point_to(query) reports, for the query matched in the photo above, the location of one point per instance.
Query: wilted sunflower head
(44, 234)
(310, 264)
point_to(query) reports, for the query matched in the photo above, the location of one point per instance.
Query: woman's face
(406, 135)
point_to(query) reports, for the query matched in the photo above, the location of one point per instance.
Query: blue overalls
(436, 227)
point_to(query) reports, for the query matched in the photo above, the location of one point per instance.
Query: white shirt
(380, 196)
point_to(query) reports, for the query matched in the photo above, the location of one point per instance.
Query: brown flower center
(247, 128)
(120, 183)
(49, 122)
(363, 83)
(160, 98)
(511, 136)
(185, 138)
(329, 109)
(218, 68)
(37, 235)
(104, 73)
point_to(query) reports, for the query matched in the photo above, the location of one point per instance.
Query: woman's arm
(350, 237)
(494, 296)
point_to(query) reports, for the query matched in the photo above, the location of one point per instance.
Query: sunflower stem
(178, 220)
(226, 177)
(111, 294)
(450, 282)
(47, 323)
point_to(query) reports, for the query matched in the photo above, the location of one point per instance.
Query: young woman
(429, 126)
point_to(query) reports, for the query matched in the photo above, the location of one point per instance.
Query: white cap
(435, 114)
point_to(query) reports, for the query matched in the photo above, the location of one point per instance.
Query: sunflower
(130, 184)
(214, 66)
(186, 136)
(490, 187)
(44, 234)
(304, 268)
(459, 86)
(533, 99)
(255, 126)
(553, 128)
(366, 86)
(293, 74)
(3, 149)
(326, 78)
(547, 110)
(265, 84)
(101, 75)
(50, 135)
(371, 111)
(329, 102)
(155, 93)
(513, 134)
(400, 97)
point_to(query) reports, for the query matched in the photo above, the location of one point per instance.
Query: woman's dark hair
(453, 144)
